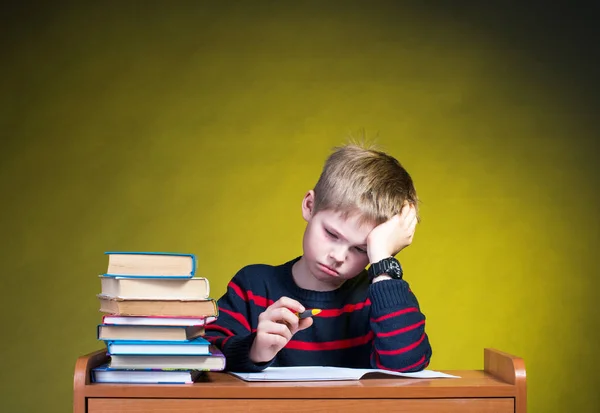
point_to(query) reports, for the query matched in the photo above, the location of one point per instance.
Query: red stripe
(214, 327)
(401, 330)
(217, 341)
(330, 345)
(395, 314)
(402, 349)
(264, 302)
(249, 296)
(348, 308)
(238, 317)
(403, 369)
(413, 366)
(260, 301)
(237, 290)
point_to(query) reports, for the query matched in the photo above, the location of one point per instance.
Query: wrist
(254, 355)
(378, 255)
(382, 277)
(388, 266)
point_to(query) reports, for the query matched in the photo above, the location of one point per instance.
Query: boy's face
(335, 248)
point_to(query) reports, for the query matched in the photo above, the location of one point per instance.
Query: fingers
(305, 323)
(287, 302)
(280, 319)
(412, 218)
(408, 214)
(407, 221)
(278, 315)
(412, 227)
(282, 313)
(274, 328)
(266, 346)
(275, 341)
(405, 210)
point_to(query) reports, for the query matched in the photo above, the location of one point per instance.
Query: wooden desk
(500, 387)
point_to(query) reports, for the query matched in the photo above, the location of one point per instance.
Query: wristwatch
(389, 266)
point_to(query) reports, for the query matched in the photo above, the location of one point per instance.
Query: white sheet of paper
(316, 373)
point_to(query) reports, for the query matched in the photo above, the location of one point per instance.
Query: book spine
(190, 275)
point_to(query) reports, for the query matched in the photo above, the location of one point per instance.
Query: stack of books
(156, 312)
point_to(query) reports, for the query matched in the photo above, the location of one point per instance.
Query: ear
(308, 204)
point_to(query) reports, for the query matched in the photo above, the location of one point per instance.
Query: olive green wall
(193, 128)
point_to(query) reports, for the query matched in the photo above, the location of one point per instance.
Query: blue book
(150, 264)
(105, 374)
(196, 347)
(213, 362)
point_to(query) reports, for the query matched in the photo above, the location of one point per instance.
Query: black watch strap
(389, 266)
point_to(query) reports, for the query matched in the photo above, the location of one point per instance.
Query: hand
(392, 236)
(276, 326)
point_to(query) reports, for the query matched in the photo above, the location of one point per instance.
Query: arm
(249, 347)
(400, 341)
(232, 332)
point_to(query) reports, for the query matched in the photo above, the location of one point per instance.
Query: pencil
(308, 313)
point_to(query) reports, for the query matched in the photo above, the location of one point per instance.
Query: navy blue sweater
(362, 325)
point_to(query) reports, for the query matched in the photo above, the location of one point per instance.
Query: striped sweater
(362, 325)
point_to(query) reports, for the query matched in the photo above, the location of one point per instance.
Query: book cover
(105, 374)
(157, 320)
(195, 347)
(108, 332)
(150, 264)
(170, 288)
(174, 308)
(213, 362)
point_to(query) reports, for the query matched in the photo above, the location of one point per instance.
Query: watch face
(394, 269)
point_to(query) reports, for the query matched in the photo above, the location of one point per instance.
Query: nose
(338, 253)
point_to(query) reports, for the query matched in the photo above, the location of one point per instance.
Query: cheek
(313, 242)
(318, 239)
(359, 261)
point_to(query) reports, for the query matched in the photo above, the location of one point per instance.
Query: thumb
(305, 323)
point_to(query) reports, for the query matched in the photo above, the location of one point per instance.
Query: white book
(157, 321)
(196, 288)
(318, 373)
(103, 374)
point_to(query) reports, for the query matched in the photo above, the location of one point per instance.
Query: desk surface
(473, 383)
(503, 377)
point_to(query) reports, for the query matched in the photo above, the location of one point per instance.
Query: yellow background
(160, 126)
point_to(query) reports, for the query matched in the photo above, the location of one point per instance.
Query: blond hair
(362, 180)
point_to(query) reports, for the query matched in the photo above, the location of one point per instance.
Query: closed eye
(361, 250)
(331, 234)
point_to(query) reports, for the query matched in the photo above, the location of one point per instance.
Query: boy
(362, 210)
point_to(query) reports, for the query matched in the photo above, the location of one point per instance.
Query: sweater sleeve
(233, 332)
(400, 342)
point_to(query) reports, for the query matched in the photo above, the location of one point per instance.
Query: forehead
(351, 226)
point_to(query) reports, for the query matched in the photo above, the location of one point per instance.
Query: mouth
(327, 270)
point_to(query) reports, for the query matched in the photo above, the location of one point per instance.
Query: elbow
(421, 359)
(415, 359)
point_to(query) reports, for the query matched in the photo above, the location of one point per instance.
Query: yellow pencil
(308, 313)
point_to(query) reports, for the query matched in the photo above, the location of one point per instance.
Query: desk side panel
(499, 405)
(81, 377)
(510, 369)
